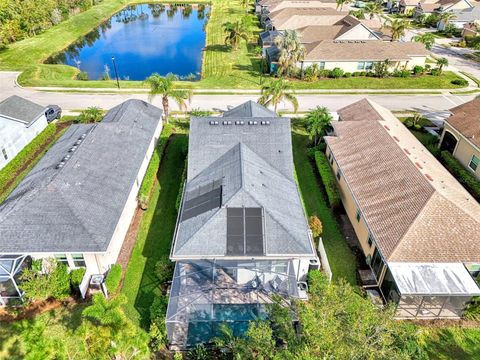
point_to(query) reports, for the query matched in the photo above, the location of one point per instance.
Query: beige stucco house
(461, 135)
(417, 226)
(296, 18)
(440, 6)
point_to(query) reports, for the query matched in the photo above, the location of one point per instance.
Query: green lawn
(453, 343)
(155, 234)
(341, 259)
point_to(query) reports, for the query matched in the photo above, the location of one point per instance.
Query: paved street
(428, 104)
(456, 60)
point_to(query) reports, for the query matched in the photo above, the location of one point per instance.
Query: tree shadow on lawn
(162, 226)
(218, 48)
(447, 346)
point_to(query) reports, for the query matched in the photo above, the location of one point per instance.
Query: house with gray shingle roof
(20, 122)
(77, 203)
(242, 234)
(416, 225)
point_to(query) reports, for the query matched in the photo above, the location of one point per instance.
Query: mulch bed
(33, 310)
(444, 323)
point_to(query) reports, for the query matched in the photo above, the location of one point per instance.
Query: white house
(77, 203)
(20, 122)
(461, 18)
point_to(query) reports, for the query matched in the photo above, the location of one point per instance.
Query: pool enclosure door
(11, 267)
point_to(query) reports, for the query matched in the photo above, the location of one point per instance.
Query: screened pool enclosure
(205, 294)
(11, 267)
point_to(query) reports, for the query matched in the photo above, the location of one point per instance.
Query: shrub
(82, 75)
(418, 70)
(461, 82)
(401, 73)
(27, 154)
(152, 169)
(336, 73)
(315, 225)
(364, 73)
(112, 281)
(178, 202)
(158, 333)
(54, 282)
(197, 112)
(76, 277)
(462, 174)
(473, 42)
(164, 269)
(328, 180)
(435, 72)
(472, 312)
(90, 115)
(356, 73)
(347, 75)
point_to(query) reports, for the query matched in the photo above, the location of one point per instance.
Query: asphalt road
(427, 104)
(456, 59)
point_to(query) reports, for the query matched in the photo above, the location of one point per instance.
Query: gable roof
(240, 161)
(466, 15)
(19, 109)
(250, 109)
(294, 18)
(76, 208)
(415, 210)
(466, 120)
(364, 50)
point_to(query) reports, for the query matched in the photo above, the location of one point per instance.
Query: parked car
(359, 4)
(53, 112)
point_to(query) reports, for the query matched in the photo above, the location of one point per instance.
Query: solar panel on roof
(202, 199)
(245, 231)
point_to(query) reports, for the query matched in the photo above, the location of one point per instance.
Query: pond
(142, 39)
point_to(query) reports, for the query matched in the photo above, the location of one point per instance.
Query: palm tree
(90, 115)
(446, 17)
(397, 27)
(235, 32)
(318, 120)
(340, 3)
(165, 86)
(244, 3)
(276, 91)
(441, 62)
(291, 49)
(359, 14)
(426, 39)
(373, 8)
(106, 312)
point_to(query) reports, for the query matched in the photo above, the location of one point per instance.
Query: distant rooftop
(249, 109)
(466, 120)
(72, 200)
(241, 198)
(20, 109)
(415, 209)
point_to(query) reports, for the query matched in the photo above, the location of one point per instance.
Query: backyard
(222, 68)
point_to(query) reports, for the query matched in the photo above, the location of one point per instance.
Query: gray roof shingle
(249, 109)
(21, 109)
(77, 208)
(254, 164)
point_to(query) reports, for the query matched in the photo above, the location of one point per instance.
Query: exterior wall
(15, 135)
(359, 32)
(458, 24)
(352, 66)
(464, 150)
(459, 6)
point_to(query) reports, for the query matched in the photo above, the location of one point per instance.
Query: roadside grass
(16, 170)
(457, 343)
(155, 234)
(341, 259)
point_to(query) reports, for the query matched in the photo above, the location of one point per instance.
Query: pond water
(143, 39)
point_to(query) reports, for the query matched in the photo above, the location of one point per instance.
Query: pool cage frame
(11, 267)
(207, 293)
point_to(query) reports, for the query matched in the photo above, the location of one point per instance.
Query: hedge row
(182, 184)
(112, 281)
(28, 154)
(328, 179)
(154, 164)
(463, 175)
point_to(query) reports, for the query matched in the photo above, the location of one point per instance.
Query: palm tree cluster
(291, 50)
(427, 39)
(318, 121)
(276, 91)
(235, 32)
(397, 27)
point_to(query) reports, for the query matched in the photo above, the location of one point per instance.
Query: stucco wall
(359, 32)
(14, 135)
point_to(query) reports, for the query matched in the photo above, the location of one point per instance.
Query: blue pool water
(143, 39)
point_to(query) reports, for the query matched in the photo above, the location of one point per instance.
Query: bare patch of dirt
(33, 310)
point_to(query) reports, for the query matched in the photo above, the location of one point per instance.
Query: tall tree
(397, 27)
(341, 3)
(235, 31)
(276, 91)
(426, 39)
(291, 49)
(441, 62)
(373, 9)
(318, 121)
(106, 312)
(166, 87)
(446, 17)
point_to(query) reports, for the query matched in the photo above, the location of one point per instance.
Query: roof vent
(250, 123)
(239, 122)
(78, 142)
(84, 135)
(213, 122)
(66, 157)
(73, 148)
(225, 122)
(60, 165)
(428, 177)
(265, 122)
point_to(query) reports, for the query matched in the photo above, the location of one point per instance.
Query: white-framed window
(78, 260)
(4, 153)
(62, 258)
(365, 65)
(321, 65)
(474, 161)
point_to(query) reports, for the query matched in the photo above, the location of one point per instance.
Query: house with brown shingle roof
(461, 135)
(417, 226)
(295, 18)
(268, 6)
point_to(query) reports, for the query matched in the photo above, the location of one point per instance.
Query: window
(377, 264)
(474, 163)
(365, 65)
(370, 240)
(4, 152)
(62, 258)
(359, 215)
(78, 260)
(361, 65)
(339, 174)
(321, 65)
(368, 65)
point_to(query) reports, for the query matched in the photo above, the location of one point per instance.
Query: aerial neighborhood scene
(240, 179)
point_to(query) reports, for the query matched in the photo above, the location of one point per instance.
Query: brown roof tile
(466, 120)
